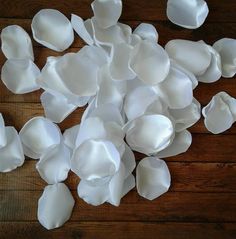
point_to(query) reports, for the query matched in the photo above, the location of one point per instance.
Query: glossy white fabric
(147, 32)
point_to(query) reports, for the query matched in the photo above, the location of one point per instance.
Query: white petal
(129, 184)
(3, 137)
(150, 62)
(137, 101)
(119, 68)
(38, 134)
(135, 39)
(93, 194)
(79, 27)
(54, 164)
(189, 14)
(95, 159)
(180, 144)
(186, 117)
(19, 76)
(107, 12)
(16, 43)
(226, 47)
(149, 134)
(52, 29)
(55, 206)
(152, 178)
(194, 56)
(11, 155)
(147, 32)
(218, 115)
(128, 160)
(70, 136)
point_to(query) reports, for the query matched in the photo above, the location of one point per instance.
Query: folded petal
(80, 28)
(3, 137)
(226, 47)
(11, 155)
(47, 27)
(187, 14)
(129, 184)
(194, 56)
(150, 62)
(149, 134)
(128, 159)
(16, 43)
(20, 76)
(54, 164)
(147, 32)
(180, 144)
(95, 159)
(55, 206)
(38, 134)
(152, 178)
(70, 136)
(106, 12)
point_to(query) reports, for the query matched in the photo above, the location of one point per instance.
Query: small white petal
(3, 137)
(226, 47)
(135, 39)
(11, 155)
(95, 159)
(38, 134)
(54, 164)
(149, 134)
(106, 12)
(129, 184)
(180, 144)
(55, 206)
(152, 178)
(20, 76)
(189, 14)
(16, 43)
(147, 32)
(70, 136)
(79, 27)
(150, 62)
(52, 29)
(194, 56)
(128, 160)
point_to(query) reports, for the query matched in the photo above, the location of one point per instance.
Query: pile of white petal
(139, 96)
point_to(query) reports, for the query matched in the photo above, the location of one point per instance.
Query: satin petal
(147, 32)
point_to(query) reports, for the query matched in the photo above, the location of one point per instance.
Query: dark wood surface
(201, 203)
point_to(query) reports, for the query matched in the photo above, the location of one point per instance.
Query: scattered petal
(128, 160)
(70, 136)
(129, 184)
(147, 32)
(3, 137)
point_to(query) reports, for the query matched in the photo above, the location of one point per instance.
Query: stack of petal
(139, 97)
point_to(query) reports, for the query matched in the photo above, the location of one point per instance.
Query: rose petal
(152, 178)
(180, 144)
(47, 27)
(70, 136)
(11, 155)
(128, 160)
(147, 32)
(54, 164)
(129, 184)
(3, 137)
(226, 47)
(19, 76)
(187, 14)
(16, 43)
(38, 134)
(106, 12)
(150, 62)
(55, 206)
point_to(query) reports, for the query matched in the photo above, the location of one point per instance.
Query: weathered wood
(186, 177)
(172, 206)
(119, 230)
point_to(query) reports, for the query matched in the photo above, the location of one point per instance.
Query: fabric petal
(3, 137)
(55, 206)
(128, 160)
(129, 184)
(147, 32)
(152, 178)
(70, 136)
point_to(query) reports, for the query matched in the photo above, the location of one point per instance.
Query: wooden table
(201, 202)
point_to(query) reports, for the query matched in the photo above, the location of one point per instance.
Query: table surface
(201, 202)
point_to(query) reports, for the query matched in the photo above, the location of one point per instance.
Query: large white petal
(194, 56)
(180, 144)
(189, 14)
(150, 62)
(147, 32)
(70, 136)
(16, 43)
(152, 178)
(11, 155)
(106, 12)
(52, 29)
(3, 137)
(54, 164)
(226, 47)
(55, 206)
(38, 134)
(20, 76)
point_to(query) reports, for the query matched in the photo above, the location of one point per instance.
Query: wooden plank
(170, 207)
(220, 11)
(119, 230)
(207, 177)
